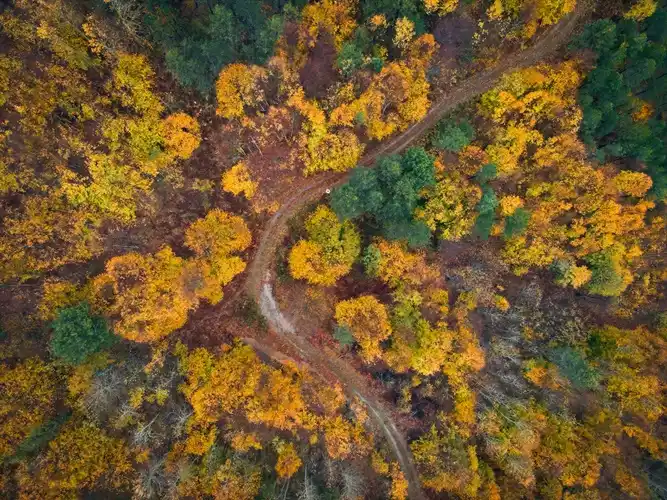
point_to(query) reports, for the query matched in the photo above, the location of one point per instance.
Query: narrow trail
(259, 278)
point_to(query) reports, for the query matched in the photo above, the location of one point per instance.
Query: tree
(446, 462)
(622, 97)
(486, 209)
(132, 81)
(149, 296)
(181, 135)
(350, 59)
(236, 380)
(633, 183)
(335, 17)
(371, 260)
(574, 367)
(58, 294)
(144, 295)
(608, 276)
(82, 457)
(453, 136)
(404, 32)
(641, 10)
(390, 193)
(77, 334)
(199, 42)
(239, 87)
(399, 484)
(336, 151)
(398, 267)
(440, 7)
(215, 239)
(329, 252)
(516, 223)
(397, 97)
(288, 460)
(569, 274)
(320, 149)
(367, 319)
(512, 435)
(538, 12)
(27, 397)
(344, 439)
(237, 180)
(217, 235)
(450, 206)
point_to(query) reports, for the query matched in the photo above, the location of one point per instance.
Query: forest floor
(259, 277)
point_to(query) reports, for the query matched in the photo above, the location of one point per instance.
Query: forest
(333, 249)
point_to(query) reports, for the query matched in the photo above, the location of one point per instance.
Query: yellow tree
(229, 481)
(447, 463)
(335, 17)
(82, 457)
(237, 180)
(278, 402)
(450, 206)
(344, 439)
(367, 319)
(641, 9)
(181, 135)
(538, 12)
(215, 239)
(397, 97)
(144, 294)
(288, 460)
(440, 7)
(404, 32)
(27, 393)
(399, 267)
(330, 250)
(319, 148)
(239, 86)
(132, 84)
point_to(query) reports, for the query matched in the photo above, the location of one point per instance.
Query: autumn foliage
(368, 321)
(329, 251)
(149, 296)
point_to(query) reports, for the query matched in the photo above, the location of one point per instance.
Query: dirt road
(258, 281)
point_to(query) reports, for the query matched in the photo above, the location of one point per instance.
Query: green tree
(516, 224)
(371, 260)
(390, 193)
(350, 58)
(77, 334)
(487, 212)
(453, 136)
(573, 365)
(609, 278)
(487, 173)
(623, 97)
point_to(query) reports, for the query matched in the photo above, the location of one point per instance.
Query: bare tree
(151, 481)
(105, 393)
(354, 483)
(178, 419)
(129, 14)
(144, 433)
(308, 490)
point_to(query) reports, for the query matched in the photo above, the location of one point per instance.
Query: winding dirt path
(259, 279)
